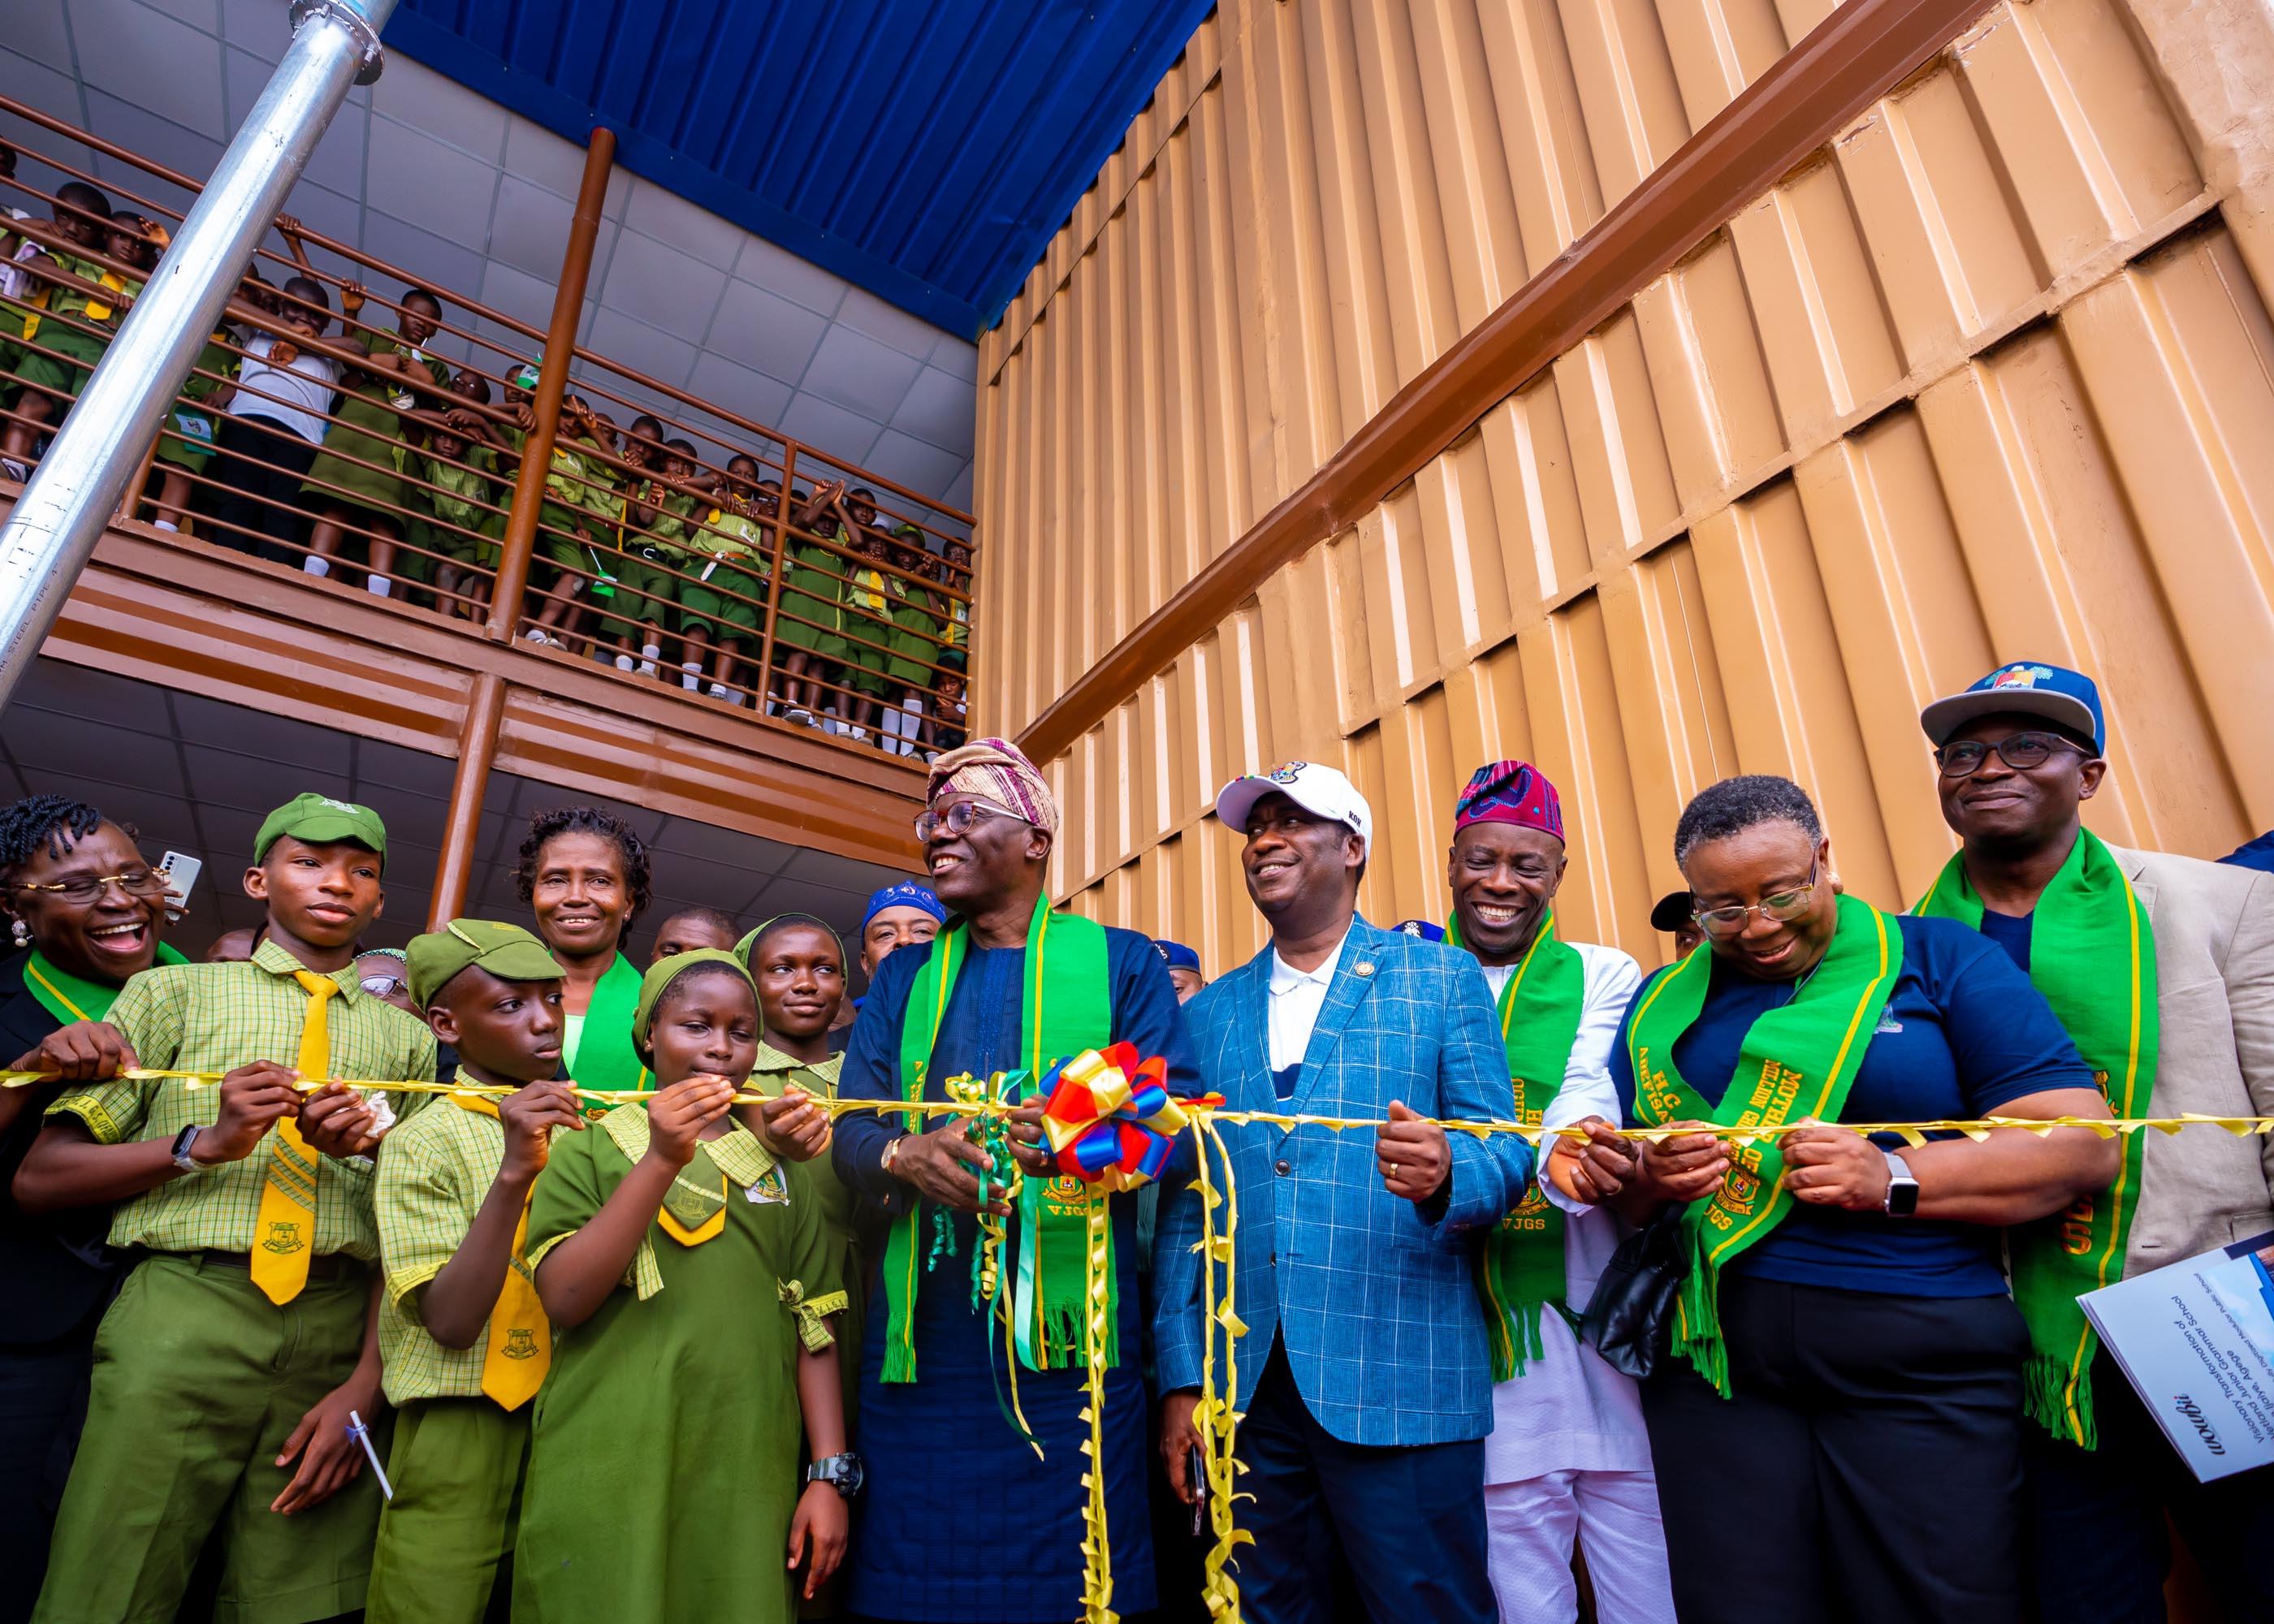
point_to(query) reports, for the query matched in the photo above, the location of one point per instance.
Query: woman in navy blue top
(1866, 1462)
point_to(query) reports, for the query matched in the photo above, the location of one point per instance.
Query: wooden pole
(476, 750)
(551, 384)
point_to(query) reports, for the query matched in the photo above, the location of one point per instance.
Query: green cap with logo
(506, 951)
(319, 821)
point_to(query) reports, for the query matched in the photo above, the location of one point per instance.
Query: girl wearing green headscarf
(691, 1285)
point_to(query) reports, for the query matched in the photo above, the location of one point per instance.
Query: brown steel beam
(1850, 60)
(552, 383)
(478, 743)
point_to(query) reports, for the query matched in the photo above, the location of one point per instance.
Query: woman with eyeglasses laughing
(87, 913)
(1837, 1424)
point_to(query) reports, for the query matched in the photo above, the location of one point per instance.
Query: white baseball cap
(1321, 791)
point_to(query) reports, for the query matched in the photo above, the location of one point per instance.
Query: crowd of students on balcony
(343, 445)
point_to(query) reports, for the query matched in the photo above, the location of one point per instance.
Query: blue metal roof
(922, 149)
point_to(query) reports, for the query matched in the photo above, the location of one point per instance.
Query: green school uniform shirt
(462, 489)
(436, 1174)
(215, 1017)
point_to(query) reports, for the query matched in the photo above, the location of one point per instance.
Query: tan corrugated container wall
(1991, 376)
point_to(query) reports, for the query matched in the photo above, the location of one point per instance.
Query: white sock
(535, 634)
(379, 585)
(165, 524)
(625, 662)
(651, 651)
(317, 564)
(693, 680)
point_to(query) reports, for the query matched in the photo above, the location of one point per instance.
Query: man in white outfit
(1567, 1460)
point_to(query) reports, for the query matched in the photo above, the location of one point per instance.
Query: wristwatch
(1902, 1189)
(842, 1472)
(893, 1149)
(182, 1141)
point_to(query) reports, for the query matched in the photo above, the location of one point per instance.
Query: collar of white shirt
(1285, 977)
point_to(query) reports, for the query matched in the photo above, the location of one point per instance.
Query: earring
(23, 936)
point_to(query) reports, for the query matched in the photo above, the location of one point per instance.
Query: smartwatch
(1902, 1189)
(182, 1141)
(842, 1472)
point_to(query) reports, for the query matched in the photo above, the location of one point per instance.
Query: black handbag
(1627, 1320)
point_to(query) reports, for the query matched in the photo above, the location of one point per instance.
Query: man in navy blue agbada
(1364, 1375)
(959, 1519)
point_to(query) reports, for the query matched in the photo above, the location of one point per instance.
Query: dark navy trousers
(1404, 1525)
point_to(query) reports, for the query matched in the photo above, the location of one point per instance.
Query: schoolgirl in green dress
(357, 479)
(724, 606)
(809, 624)
(689, 1278)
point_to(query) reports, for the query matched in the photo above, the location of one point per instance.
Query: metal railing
(677, 541)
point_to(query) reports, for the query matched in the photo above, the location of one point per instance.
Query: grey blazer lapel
(1354, 978)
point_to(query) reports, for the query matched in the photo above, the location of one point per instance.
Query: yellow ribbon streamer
(1216, 1419)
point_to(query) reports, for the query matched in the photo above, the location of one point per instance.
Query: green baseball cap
(506, 951)
(320, 820)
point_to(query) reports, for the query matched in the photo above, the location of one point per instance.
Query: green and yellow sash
(70, 997)
(1798, 1060)
(1067, 1007)
(605, 1055)
(2092, 953)
(1520, 1270)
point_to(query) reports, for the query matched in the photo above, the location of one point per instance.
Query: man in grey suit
(2019, 752)
(1363, 1374)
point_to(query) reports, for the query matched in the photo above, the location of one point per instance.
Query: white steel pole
(72, 495)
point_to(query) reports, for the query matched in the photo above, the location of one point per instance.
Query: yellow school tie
(520, 1349)
(284, 1236)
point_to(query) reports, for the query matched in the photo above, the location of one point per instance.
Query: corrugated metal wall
(1992, 375)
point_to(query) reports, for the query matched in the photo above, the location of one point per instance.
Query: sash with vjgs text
(1798, 1061)
(2092, 953)
(1520, 1271)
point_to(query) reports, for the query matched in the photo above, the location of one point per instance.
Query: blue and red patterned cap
(1511, 791)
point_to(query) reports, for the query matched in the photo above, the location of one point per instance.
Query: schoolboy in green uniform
(70, 339)
(463, 1340)
(725, 605)
(468, 526)
(658, 522)
(226, 1372)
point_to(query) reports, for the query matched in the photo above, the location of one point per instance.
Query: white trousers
(1614, 1517)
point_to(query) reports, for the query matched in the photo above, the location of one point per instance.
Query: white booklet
(2197, 1338)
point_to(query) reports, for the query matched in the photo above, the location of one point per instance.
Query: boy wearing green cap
(228, 1370)
(463, 1340)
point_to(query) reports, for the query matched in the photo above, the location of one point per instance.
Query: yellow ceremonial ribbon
(520, 1347)
(284, 1234)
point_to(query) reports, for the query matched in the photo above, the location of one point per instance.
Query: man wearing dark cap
(2162, 969)
(1568, 1459)
(1363, 1374)
(1013, 986)
(1673, 915)
(1184, 968)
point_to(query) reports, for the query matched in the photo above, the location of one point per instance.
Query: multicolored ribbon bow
(1111, 1119)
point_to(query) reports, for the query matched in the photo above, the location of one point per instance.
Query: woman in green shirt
(584, 874)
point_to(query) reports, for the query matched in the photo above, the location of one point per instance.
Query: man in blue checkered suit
(1363, 1374)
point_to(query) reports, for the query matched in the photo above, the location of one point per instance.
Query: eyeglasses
(385, 986)
(85, 888)
(2019, 751)
(958, 819)
(1782, 906)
